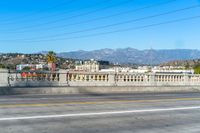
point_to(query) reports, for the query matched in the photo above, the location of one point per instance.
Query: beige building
(88, 66)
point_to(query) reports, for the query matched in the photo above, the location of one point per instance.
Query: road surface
(101, 113)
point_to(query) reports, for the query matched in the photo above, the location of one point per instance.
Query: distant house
(20, 67)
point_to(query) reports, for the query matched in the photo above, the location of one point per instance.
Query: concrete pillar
(145, 79)
(152, 79)
(111, 79)
(3, 77)
(63, 78)
(186, 80)
(90, 77)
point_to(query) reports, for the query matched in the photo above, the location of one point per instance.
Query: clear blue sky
(60, 25)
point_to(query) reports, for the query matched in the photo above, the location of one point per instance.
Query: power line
(104, 17)
(115, 31)
(64, 13)
(39, 11)
(116, 24)
(125, 22)
(117, 14)
(59, 14)
(140, 27)
(78, 15)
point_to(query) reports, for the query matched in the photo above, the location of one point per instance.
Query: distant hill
(10, 60)
(186, 63)
(121, 56)
(134, 56)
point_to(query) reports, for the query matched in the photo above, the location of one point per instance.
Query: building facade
(87, 66)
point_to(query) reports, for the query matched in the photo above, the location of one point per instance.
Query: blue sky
(41, 25)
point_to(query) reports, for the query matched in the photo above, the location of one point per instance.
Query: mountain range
(134, 56)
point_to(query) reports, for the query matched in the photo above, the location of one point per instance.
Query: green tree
(197, 69)
(27, 68)
(2, 66)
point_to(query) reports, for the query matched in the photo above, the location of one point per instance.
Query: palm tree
(51, 57)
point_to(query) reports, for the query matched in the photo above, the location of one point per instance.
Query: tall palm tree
(51, 57)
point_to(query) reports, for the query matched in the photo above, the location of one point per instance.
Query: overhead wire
(53, 37)
(77, 15)
(115, 24)
(115, 31)
(98, 18)
(35, 13)
(125, 30)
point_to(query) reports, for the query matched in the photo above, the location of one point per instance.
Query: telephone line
(116, 24)
(115, 31)
(100, 18)
(75, 16)
(39, 11)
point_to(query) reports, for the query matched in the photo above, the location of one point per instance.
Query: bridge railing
(75, 78)
(33, 79)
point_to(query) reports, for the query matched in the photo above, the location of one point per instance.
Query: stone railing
(73, 78)
(33, 79)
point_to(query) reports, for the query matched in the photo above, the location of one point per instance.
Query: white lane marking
(99, 113)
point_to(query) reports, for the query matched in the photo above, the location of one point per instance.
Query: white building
(171, 69)
(32, 66)
(149, 69)
(119, 69)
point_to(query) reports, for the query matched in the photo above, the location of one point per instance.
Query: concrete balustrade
(3, 77)
(75, 78)
(88, 79)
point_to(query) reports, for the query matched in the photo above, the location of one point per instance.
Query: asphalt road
(113, 113)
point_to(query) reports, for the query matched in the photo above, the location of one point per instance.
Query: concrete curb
(96, 90)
